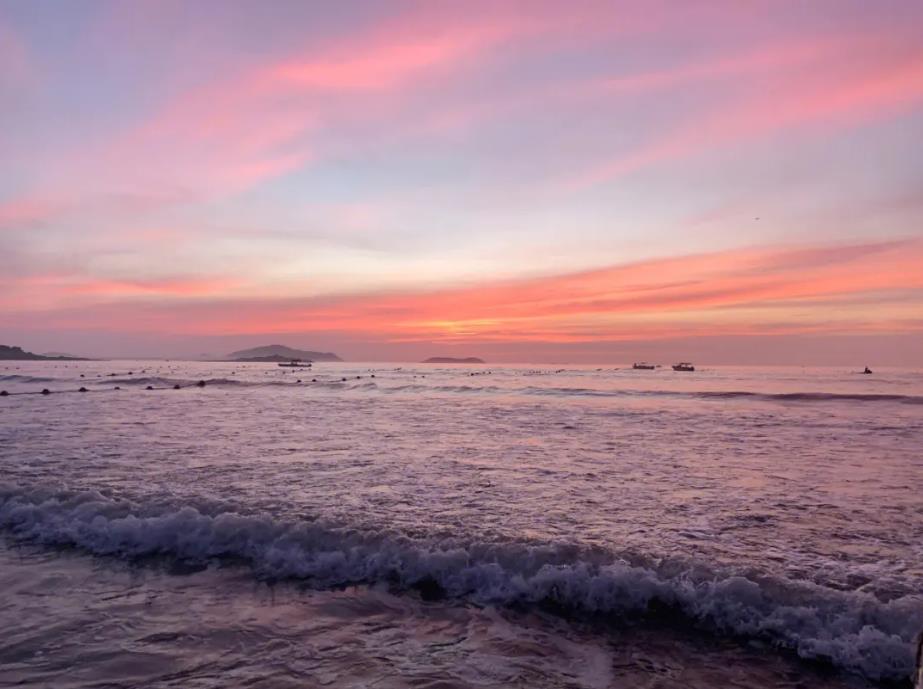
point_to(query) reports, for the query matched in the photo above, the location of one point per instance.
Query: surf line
(177, 386)
(46, 391)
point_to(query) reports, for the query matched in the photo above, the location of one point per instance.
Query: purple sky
(566, 181)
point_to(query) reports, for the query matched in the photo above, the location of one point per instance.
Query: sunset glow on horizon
(521, 181)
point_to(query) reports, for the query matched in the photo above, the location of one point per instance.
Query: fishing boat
(296, 363)
(683, 366)
(643, 366)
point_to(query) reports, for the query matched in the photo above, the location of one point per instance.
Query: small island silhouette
(11, 353)
(279, 353)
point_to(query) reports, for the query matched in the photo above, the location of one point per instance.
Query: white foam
(853, 630)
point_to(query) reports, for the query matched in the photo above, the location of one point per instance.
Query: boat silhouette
(296, 363)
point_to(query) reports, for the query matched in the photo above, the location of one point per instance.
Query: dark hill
(451, 360)
(9, 353)
(285, 354)
(274, 359)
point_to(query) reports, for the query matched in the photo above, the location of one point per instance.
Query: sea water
(409, 525)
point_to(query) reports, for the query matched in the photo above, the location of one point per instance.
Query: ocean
(388, 525)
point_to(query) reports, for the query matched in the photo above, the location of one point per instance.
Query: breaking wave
(699, 394)
(25, 379)
(853, 630)
(159, 381)
(460, 389)
(735, 394)
(815, 396)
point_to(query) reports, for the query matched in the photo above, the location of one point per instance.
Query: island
(453, 360)
(274, 359)
(279, 353)
(10, 353)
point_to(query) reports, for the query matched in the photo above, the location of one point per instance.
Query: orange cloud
(876, 287)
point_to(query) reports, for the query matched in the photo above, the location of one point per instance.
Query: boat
(643, 366)
(683, 366)
(296, 363)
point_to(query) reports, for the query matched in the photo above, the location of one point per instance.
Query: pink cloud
(170, 287)
(261, 123)
(444, 66)
(830, 98)
(263, 120)
(22, 212)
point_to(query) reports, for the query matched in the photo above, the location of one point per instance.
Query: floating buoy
(176, 387)
(81, 375)
(149, 387)
(82, 390)
(200, 384)
(46, 391)
(343, 379)
(117, 387)
(314, 380)
(3, 393)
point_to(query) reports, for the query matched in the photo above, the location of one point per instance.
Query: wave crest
(850, 629)
(13, 378)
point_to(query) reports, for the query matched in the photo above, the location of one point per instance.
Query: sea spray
(853, 630)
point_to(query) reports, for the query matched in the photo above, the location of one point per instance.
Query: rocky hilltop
(453, 360)
(10, 353)
(281, 353)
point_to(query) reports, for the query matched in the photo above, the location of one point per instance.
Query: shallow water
(89, 622)
(741, 515)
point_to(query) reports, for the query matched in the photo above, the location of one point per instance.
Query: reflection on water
(780, 505)
(72, 621)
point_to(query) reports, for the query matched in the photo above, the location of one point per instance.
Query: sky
(571, 181)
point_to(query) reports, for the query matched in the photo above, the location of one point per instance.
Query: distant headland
(9, 353)
(452, 360)
(279, 353)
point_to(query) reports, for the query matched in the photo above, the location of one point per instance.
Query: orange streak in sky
(856, 288)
